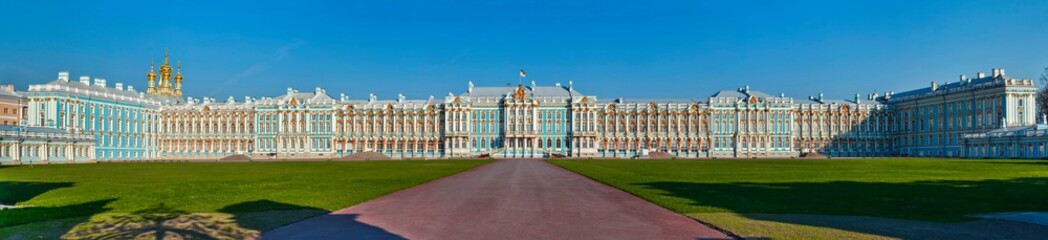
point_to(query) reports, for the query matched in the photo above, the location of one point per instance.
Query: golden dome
(165, 68)
(165, 87)
(178, 75)
(151, 74)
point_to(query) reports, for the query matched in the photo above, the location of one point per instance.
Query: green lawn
(254, 196)
(934, 191)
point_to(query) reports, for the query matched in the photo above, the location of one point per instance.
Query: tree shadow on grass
(17, 216)
(264, 215)
(331, 226)
(943, 201)
(12, 193)
(305, 222)
(245, 220)
(160, 222)
(935, 201)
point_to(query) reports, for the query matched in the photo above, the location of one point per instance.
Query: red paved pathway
(507, 199)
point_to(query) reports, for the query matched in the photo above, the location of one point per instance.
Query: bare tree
(1042, 94)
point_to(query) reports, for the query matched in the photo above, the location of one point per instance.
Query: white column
(308, 133)
(44, 152)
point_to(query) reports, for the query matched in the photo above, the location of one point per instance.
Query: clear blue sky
(609, 49)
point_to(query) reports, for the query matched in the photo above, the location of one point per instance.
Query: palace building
(530, 121)
(123, 121)
(934, 120)
(13, 104)
(40, 144)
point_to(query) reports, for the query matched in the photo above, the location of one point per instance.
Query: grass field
(804, 199)
(247, 197)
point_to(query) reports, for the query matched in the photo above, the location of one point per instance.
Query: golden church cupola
(152, 78)
(178, 79)
(165, 86)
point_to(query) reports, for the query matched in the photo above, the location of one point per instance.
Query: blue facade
(29, 145)
(122, 121)
(531, 121)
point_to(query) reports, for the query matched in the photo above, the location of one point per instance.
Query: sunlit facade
(1030, 141)
(20, 145)
(932, 121)
(12, 106)
(528, 121)
(124, 122)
